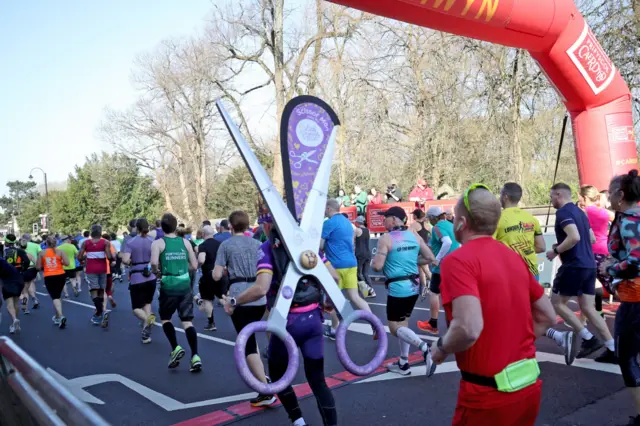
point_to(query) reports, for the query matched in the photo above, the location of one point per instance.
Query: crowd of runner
(479, 262)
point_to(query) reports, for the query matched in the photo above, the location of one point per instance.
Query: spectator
(361, 200)
(343, 199)
(394, 195)
(421, 193)
(377, 197)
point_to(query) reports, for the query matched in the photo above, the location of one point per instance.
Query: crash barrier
(30, 396)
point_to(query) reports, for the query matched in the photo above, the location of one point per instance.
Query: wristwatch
(232, 302)
(555, 250)
(439, 346)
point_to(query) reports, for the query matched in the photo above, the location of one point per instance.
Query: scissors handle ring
(341, 343)
(245, 371)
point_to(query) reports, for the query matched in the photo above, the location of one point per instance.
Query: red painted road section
(244, 409)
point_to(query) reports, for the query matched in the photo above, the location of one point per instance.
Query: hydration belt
(242, 280)
(403, 278)
(514, 377)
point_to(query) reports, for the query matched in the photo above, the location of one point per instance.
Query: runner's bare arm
(107, 250)
(64, 257)
(156, 248)
(544, 316)
(592, 236)
(321, 243)
(202, 257)
(466, 324)
(39, 261)
(193, 262)
(126, 258)
(384, 245)
(426, 255)
(540, 244)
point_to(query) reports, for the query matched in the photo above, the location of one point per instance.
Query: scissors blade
(280, 311)
(313, 213)
(281, 215)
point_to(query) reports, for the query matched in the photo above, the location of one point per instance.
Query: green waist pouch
(514, 377)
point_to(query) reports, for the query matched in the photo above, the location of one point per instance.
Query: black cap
(132, 223)
(395, 211)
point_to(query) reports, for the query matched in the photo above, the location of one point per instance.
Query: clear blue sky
(62, 62)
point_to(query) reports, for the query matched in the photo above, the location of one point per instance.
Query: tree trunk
(278, 59)
(162, 180)
(317, 50)
(516, 145)
(199, 173)
(186, 199)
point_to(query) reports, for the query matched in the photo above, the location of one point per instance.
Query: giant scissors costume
(300, 240)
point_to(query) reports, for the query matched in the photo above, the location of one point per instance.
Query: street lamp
(46, 186)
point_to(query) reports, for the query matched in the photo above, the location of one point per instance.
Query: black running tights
(314, 371)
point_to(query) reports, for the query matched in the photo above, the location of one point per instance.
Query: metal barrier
(29, 395)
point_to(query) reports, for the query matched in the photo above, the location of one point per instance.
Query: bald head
(208, 231)
(485, 211)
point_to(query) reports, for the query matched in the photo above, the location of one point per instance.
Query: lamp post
(46, 187)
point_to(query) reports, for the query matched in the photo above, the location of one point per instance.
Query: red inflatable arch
(559, 39)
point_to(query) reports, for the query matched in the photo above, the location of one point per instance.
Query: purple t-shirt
(140, 250)
(265, 266)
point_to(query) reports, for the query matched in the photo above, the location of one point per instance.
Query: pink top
(599, 221)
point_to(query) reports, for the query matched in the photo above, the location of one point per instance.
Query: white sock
(407, 335)
(610, 345)
(557, 336)
(299, 422)
(404, 349)
(333, 331)
(585, 334)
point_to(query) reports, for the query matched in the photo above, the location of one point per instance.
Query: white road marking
(415, 308)
(77, 385)
(157, 324)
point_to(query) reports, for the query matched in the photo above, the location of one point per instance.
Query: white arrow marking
(76, 390)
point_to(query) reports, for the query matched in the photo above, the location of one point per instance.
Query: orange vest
(629, 290)
(51, 263)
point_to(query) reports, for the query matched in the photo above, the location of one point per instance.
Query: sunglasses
(469, 191)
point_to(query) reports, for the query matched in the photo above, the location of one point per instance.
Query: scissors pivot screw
(308, 259)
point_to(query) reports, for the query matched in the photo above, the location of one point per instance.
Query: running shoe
(151, 319)
(25, 307)
(262, 400)
(196, 364)
(146, 335)
(428, 362)
(96, 320)
(589, 346)
(76, 292)
(63, 322)
(66, 295)
(371, 294)
(36, 304)
(15, 327)
(176, 355)
(113, 303)
(395, 367)
(607, 357)
(328, 333)
(105, 319)
(570, 345)
(426, 326)
(211, 327)
(56, 320)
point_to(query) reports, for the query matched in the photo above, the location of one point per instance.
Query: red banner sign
(375, 222)
(351, 212)
(622, 142)
(592, 61)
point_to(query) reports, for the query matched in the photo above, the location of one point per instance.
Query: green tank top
(174, 262)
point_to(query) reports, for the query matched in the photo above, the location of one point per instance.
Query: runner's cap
(395, 211)
(360, 219)
(434, 211)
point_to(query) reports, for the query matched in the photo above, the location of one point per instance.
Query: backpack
(13, 258)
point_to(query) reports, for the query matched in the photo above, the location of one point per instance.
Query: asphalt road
(128, 383)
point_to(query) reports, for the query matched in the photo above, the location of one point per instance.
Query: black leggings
(314, 371)
(245, 315)
(363, 270)
(627, 336)
(599, 296)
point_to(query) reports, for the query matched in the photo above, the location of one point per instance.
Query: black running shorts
(434, 284)
(169, 305)
(400, 308)
(55, 285)
(142, 294)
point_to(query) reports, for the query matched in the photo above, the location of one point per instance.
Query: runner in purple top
(142, 282)
(304, 324)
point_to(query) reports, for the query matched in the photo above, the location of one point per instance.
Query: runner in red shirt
(495, 309)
